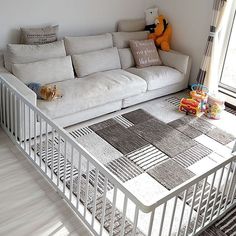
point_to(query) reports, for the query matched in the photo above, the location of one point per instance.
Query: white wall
(191, 21)
(75, 17)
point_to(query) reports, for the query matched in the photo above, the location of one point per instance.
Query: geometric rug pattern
(141, 144)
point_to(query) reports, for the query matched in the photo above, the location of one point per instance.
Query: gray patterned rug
(139, 148)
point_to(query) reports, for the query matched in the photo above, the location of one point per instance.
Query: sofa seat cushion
(158, 76)
(93, 90)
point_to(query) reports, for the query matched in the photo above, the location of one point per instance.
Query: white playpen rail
(203, 198)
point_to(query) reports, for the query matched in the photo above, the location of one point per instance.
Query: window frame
(225, 41)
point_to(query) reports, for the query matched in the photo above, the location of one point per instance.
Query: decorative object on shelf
(163, 33)
(214, 107)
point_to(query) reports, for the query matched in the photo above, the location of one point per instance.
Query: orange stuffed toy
(163, 33)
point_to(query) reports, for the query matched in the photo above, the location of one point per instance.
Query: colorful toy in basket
(200, 94)
(214, 107)
(190, 106)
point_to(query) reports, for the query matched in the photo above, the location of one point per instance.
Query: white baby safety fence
(103, 203)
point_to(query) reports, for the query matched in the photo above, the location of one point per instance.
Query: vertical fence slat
(78, 181)
(46, 147)
(24, 125)
(200, 205)
(151, 222)
(64, 169)
(231, 184)
(11, 114)
(95, 196)
(104, 205)
(217, 192)
(15, 117)
(182, 211)
(136, 214)
(53, 152)
(71, 171)
(59, 159)
(191, 209)
(162, 218)
(40, 141)
(172, 216)
(86, 189)
(224, 188)
(208, 200)
(124, 215)
(113, 210)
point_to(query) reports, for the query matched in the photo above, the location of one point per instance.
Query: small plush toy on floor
(163, 33)
(45, 92)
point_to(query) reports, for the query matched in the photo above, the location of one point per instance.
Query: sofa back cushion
(121, 39)
(45, 71)
(92, 62)
(78, 45)
(39, 35)
(131, 25)
(126, 58)
(20, 54)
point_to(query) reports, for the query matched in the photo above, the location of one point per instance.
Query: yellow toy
(190, 106)
(163, 33)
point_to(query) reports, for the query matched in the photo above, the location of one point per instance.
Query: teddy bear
(163, 33)
(45, 92)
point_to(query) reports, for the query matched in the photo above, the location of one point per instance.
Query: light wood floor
(28, 204)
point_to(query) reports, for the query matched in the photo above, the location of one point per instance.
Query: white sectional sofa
(105, 78)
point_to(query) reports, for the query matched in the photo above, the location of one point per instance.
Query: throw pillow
(45, 71)
(145, 53)
(39, 35)
(20, 53)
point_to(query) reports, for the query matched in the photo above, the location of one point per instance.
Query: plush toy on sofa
(163, 33)
(150, 17)
(45, 92)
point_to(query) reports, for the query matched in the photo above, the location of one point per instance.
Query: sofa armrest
(176, 60)
(19, 86)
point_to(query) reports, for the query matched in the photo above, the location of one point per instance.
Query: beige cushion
(92, 62)
(78, 45)
(145, 53)
(158, 76)
(131, 25)
(93, 91)
(126, 58)
(39, 35)
(46, 71)
(20, 54)
(121, 39)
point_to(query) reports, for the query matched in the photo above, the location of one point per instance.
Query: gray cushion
(39, 35)
(20, 53)
(93, 90)
(46, 71)
(92, 62)
(131, 25)
(78, 45)
(121, 39)
(126, 58)
(158, 76)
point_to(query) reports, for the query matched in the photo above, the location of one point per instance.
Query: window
(228, 76)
